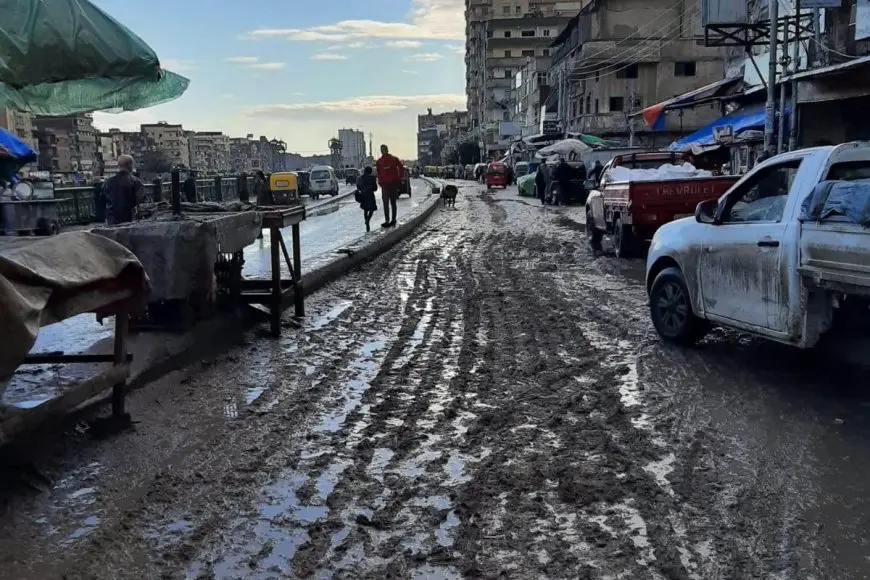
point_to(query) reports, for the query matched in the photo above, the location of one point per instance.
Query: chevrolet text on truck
(755, 260)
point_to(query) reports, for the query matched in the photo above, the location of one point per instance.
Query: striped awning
(655, 115)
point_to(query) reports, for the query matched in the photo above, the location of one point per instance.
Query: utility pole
(770, 105)
(793, 120)
(780, 135)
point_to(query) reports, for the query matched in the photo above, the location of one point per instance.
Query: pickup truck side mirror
(705, 212)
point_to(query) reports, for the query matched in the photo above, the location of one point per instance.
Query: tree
(155, 161)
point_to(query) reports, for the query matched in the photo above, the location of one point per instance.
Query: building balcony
(603, 123)
(505, 22)
(519, 42)
(506, 61)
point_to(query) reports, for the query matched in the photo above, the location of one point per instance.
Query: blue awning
(654, 115)
(703, 137)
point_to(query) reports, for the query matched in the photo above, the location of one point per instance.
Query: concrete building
(20, 124)
(67, 145)
(438, 135)
(500, 36)
(169, 139)
(209, 152)
(248, 155)
(530, 91)
(353, 147)
(616, 57)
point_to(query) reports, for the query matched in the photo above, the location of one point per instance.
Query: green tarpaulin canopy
(61, 57)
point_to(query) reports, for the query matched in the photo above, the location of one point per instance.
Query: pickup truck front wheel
(671, 309)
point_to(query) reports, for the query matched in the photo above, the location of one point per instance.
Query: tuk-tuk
(496, 175)
(430, 171)
(284, 188)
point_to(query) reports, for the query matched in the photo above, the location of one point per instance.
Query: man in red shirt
(390, 174)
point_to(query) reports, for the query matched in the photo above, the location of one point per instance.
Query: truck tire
(593, 234)
(671, 309)
(623, 242)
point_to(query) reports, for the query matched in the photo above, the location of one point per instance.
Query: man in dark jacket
(188, 188)
(122, 191)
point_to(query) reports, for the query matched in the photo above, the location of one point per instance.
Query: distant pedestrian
(595, 172)
(391, 173)
(261, 189)
(122, 192)
(366, 186)
(188, 188)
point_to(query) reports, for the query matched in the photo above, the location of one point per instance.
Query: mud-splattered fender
(678, 243)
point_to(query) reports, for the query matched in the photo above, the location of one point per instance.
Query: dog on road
(448, 195)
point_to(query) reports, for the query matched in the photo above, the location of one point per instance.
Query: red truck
(632, 211)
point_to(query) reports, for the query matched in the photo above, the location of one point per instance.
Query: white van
(323, 181)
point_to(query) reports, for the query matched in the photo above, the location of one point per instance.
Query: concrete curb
(320, 277)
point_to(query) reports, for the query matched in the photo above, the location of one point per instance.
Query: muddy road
(488, 399)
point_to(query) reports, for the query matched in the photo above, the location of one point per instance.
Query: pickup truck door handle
(768, 243)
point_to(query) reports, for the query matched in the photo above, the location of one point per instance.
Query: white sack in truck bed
(664, 173)
(838, 200)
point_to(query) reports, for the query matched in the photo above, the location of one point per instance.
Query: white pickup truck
(755, 260)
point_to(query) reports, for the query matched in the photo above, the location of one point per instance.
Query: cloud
(404, 44)
(410, 72)
(366, 105)
(456, 49)
(357, 45)
(243, 59)
(425, 57)
(268, 65)
(328, 56)
(430, 20)
(177, 65)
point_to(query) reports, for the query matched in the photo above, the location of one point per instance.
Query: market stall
(40, 285)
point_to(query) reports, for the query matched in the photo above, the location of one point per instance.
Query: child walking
(366, 186)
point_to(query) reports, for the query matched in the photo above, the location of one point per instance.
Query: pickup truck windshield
(319, 175)
(849, 170)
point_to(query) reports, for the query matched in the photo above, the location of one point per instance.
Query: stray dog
(448, 195)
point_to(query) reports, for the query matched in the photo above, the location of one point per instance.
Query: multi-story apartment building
(530, 91)
(20, 124)
(249, 155)
(353, 147)
(67, 144)
(500, 36)
(616, 57)
(169, 139)
(438, 135)
(209, 151)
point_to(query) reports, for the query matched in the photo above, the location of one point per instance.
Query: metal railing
(77, 205)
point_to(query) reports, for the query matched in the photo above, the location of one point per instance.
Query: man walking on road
(390, 174)
(123, 192)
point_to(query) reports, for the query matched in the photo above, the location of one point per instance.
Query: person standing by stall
(122, 192)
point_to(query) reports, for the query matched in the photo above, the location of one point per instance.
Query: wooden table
(274, 293)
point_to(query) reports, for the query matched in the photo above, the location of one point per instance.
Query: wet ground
(321, 236)
(487, 399)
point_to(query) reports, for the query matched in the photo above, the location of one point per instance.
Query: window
(507, 54)
(506, 9)
(762, 197)
(616, 104)
(684, 69)
(628, 72)
(546, 32)
(596, 106)
(588, 104)
(546, 52)
(507, 33)
(528, 53)
(518, 9)
(527, 33)
(506, 116)
(849, 170)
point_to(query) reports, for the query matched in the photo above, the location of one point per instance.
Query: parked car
(350, 176)
(323, 181)
(632, 211)
(783, 254)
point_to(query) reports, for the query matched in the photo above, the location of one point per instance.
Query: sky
(299, 70)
